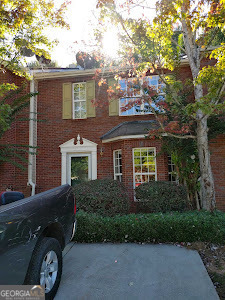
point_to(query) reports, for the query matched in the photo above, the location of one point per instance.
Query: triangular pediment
(77, 145)
(69, 143)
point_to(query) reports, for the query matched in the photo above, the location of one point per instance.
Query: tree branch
(220, 92)
(209, 43)
(180, 136)
(175, 42)
(124, 28)
(161, 123)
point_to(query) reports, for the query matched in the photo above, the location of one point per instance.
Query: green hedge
(161, 196)
(106, 197)
(158, 227)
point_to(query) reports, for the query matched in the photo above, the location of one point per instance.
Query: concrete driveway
(132, 271)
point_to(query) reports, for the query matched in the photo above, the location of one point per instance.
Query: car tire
(46, 266)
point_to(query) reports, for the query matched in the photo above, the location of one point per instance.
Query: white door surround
(69, 149)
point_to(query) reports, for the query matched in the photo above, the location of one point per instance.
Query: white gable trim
(70, 147)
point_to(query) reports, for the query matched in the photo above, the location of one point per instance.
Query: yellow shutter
(67, 101)
(113, 103)
(90, 96)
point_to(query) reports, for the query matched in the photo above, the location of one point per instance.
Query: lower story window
(117, 158)
(172, 170)
(144, 163)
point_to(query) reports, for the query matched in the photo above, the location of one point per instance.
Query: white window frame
(80, 100)
(173, 172)
(148, 173)
(114, 165)
(138, 96)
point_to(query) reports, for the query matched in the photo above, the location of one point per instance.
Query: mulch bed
(213, 257)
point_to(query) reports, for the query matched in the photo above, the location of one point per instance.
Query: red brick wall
(217, 147)
(17, 134)
(55, 131)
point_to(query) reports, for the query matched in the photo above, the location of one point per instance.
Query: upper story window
(117, 157)
(79, 101)
(133, 93)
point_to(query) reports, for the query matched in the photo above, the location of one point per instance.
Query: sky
(82, 17)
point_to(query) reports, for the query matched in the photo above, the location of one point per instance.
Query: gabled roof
(128, 129)
(51, 73)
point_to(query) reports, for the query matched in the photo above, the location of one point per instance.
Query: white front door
(79, 168)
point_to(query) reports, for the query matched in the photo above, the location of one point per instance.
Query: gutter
(46, 74)
(31, 140)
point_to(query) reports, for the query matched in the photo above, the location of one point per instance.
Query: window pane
(122, 84)
(118, 165)
(144, 178)
(144, 160)
(76, 88)
(83, 114)
(137, 153)
(82, 87)
(77, 110)
(151, 178)
(151, 168)
(151, 153)
(138, 169)
(137, 180)
(77, 106)
(82, 96)
(147, 108)
(76, 96)
(161, 88)
(144, 152)
(144, 169)
(118, 177)
(83, 109)
(77, 114)
(79, 169)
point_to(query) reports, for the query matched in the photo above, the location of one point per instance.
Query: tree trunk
(207, 193)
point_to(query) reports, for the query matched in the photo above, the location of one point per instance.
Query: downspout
(31, 139)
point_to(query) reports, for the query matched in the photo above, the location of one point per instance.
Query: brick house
(79, 141)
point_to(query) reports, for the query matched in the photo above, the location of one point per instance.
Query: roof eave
(124, 137)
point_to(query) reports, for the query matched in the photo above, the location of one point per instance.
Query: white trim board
(124, 137)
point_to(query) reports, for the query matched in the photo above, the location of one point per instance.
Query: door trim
(85, 148)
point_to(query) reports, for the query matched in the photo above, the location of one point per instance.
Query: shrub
(161, 196)
(169, 227)
(106, 197)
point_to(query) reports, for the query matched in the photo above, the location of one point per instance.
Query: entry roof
(131, 128)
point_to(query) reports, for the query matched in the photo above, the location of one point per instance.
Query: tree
(198, 23)
(22, 33)
(22, 30)
(19, 100)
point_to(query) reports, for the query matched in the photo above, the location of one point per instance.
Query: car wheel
(46, 266)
